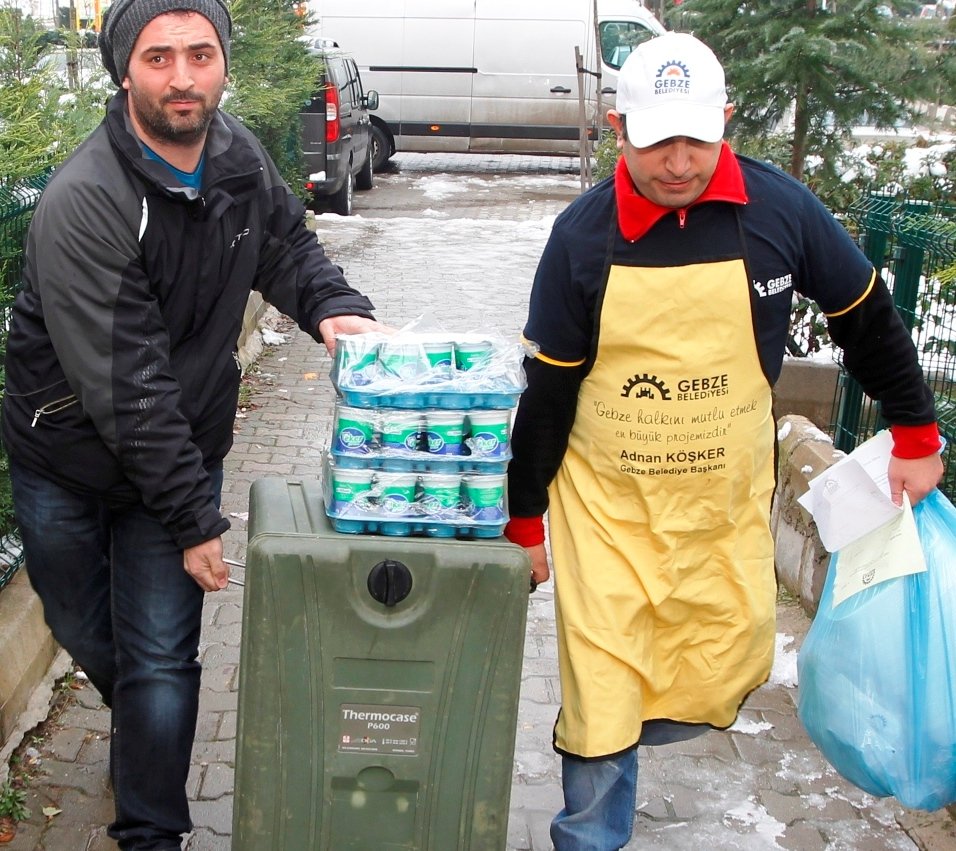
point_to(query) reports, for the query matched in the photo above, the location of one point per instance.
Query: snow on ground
(784, 671)
(438, 187)
(514, 246)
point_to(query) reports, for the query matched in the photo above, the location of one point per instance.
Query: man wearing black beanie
(122, 380)
(124, 21)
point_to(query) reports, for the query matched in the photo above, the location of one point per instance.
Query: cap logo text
(672, 78)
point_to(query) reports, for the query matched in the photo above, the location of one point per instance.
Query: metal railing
(910, 242)
(17, 203)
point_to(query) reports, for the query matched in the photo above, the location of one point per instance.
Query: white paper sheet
(852, 498)
(890, 551)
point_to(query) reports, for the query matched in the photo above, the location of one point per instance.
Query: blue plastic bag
(877, 674)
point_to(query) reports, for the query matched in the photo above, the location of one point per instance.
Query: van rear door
(353, 124)
(312, 124)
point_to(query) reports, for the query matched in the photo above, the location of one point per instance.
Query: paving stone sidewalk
(455, 242)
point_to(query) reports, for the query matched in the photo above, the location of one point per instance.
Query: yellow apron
(659, 516)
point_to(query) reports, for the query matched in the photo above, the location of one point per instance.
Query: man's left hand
(328, 328)
(916, 476)
(204, 564)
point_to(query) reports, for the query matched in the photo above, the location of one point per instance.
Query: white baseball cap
(672, 85)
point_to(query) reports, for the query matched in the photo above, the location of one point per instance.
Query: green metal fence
(911, 242)
(17, 202)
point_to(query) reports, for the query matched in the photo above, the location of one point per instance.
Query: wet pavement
(452, 241)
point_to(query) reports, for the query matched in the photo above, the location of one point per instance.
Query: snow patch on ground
(784, 672)
(753, 816)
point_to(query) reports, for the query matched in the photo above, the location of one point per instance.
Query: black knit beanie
(124, 21)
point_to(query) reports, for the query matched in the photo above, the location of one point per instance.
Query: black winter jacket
(122, 373)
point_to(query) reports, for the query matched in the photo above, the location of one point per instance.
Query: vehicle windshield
(619, 38)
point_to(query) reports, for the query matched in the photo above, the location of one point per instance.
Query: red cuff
(915, 441)
(525, 531)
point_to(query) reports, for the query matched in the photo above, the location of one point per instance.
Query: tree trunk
(801, 124)
(801, 117)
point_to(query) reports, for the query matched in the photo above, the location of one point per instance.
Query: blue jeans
(600, 795)
(599, 800)
(117, 598)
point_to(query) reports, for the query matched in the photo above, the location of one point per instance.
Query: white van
(484, 75)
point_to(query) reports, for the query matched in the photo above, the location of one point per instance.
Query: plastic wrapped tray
(426, 440)
(412, 370)
(406, 529)
(416, 399)
(407, 503)
(421, 462)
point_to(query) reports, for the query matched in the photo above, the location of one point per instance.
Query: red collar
(636, 215)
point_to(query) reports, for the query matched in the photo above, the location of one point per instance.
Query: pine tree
(27, 131)
(271, 76)
(41, 120)
(823, 69)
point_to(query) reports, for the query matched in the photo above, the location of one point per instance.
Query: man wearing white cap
(660, 309)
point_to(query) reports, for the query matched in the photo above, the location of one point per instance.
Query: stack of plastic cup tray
(418, 371)
(422, 435)
(434, 440)
(439, 504)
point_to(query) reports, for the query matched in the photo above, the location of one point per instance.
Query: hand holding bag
(877, 674)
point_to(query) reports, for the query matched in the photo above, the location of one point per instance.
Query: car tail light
(333, 125)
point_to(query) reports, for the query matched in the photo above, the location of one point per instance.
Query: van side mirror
(371, 99)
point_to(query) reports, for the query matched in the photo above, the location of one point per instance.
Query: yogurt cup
(489, 433)
(473, 354)
(354, 431)
(356, 360)
(396, 493)
(401, 432)
(402, 359)
(351, 491)
(483, 496)
(440, 355)
(444, 432)
(441, 495)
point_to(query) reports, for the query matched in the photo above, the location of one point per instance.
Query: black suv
(337, 132)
